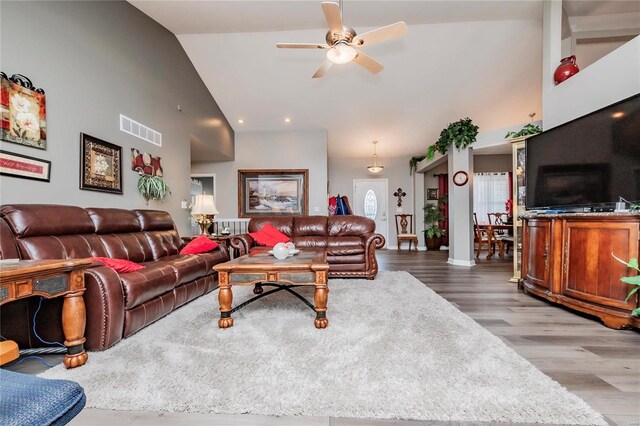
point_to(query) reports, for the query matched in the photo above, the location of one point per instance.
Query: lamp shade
(204, 205)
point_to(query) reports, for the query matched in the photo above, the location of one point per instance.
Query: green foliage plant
(413, 163)
(634, 280)
(460, 134)
(153, 188)
(433, 215)
(529, 129)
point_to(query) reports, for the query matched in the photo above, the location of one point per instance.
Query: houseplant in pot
(153, 188)
(433, 233)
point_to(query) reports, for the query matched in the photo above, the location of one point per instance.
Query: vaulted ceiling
(462, 58)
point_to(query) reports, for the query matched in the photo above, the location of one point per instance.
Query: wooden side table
(49, 279)
(224, 240)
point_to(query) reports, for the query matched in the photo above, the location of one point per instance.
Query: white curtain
(490, 193)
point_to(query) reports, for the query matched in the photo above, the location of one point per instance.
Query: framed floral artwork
(22, 112)
(100, 165)
(23, 166)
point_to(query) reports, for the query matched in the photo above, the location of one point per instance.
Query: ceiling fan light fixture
(341, 54)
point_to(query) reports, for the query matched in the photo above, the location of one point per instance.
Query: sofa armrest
(104, 302)
(372, 241)
(243, 243)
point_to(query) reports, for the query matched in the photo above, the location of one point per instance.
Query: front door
(370, 200)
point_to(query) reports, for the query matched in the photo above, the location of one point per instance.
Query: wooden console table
(49, 279)
(566, 259)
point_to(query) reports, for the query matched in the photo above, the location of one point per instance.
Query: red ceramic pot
(566, 69)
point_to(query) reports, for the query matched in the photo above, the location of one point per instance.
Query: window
(370, 204)
(490, 193)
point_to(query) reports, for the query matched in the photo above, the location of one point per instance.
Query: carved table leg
(225, 297)
(73, 324)
(257, 289)
(320, 297)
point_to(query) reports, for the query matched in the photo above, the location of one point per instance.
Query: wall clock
(460, 178)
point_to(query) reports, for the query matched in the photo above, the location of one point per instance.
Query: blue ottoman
(31, 400)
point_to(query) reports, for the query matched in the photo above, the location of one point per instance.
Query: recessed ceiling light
(240, 121)
(287, 120)
(618, 114)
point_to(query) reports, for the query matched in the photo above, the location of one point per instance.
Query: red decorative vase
(566, 69)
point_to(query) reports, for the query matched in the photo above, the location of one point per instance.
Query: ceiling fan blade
(301, 46)
(334, 18)
(323, 68)
(381, 34)
(366, 61)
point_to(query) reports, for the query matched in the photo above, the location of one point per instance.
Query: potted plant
(433, 233)
(528, 130)
(153, 188)
(460, 134)
(631, 280)
(413, 163)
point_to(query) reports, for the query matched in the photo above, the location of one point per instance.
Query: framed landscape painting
(100, 165)
(22, 112)
(273, 192)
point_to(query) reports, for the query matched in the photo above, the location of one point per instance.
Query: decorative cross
(399, 193)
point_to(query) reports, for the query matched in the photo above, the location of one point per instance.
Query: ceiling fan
(342, 41)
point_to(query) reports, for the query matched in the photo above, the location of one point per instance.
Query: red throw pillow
(268, 235)
(202, 244)
(119, 265)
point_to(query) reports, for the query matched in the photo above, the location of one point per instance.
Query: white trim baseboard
(457, 262)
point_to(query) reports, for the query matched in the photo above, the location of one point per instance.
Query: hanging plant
(413, 163)
(460, 134)
(529, 129)
(153, 188)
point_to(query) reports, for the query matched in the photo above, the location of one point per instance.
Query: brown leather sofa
(117, 305)
(350, 241)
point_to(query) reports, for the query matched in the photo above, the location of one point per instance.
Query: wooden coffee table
(259, 268)
(49, 279)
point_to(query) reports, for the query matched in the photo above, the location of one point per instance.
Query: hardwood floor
(600, 365)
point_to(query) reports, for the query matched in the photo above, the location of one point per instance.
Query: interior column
(461, 209)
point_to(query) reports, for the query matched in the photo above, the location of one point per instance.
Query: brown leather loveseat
(117, 305)
(350, 241)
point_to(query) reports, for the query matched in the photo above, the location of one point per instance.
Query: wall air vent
(139, 130)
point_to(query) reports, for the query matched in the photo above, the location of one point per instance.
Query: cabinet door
(589, 272)
(537, 253)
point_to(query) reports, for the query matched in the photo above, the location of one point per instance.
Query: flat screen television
(587, 163)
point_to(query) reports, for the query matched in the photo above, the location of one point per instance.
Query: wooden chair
(480, 237)
(404, 224)
(501, 237)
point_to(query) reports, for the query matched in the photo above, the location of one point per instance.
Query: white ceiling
(440, 72)
(199, 17)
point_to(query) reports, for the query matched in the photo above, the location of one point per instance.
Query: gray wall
(342, 172)
(96, 60)
(271, 150)
(492, 163)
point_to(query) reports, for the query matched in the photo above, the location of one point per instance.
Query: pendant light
(376, 168)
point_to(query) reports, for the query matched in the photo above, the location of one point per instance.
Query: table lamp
(204, 210)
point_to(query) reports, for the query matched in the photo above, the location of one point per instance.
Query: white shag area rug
(394, 349)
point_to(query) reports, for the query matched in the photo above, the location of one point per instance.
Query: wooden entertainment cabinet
(566, 259)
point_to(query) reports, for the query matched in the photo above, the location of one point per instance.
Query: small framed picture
(100, 165)
(23, 166)
(432, 194)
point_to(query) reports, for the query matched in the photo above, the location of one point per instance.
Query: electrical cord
(23, 359)
(34, 326)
